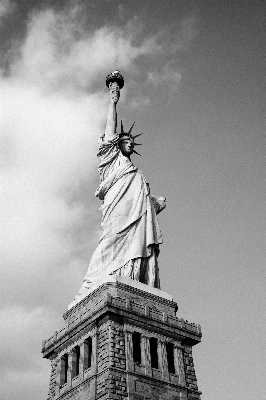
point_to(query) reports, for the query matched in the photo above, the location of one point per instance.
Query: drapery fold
(130, 226)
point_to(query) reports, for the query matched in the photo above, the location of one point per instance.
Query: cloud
(52, 57)
(26, 321)
(173, 39)
(140, 102)
(20, 348)
(53, 109)
(187, 32)
(52, 115)
(169, 77)
(48, 148)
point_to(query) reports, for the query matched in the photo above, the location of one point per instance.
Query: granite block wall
(113, 373)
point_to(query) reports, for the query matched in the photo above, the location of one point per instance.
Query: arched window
(64, 369)
(136, 340)
(154, 352)
(87, 353)
(170, 357)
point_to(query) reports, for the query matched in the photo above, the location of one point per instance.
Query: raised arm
(111, 121)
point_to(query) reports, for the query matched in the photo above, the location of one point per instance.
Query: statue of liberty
(129, 246)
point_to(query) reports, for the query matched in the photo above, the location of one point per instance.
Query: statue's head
(126, 142)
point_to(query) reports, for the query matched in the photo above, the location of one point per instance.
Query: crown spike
(122, 129)
(131, 128)
(137, 144)
(134, 151)
(134, 137)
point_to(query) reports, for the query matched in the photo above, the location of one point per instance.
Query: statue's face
(126, 146)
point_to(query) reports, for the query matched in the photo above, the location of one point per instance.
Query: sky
(194, 75)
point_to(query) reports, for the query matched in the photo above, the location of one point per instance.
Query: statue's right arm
(111, 120)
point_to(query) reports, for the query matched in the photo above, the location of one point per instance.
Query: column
(143, 350)
(176, 359)
(129, 350)
(94, 346)
(162, 358)
(58, 377)
(147, 355)
(180, 366)
(71, 358)
(82, 360)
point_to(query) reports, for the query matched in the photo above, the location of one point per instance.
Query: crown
(128, 134)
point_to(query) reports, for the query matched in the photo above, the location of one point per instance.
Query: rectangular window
(76, 359)
(136, 341)
(154, 352)
(170, 357)
(64, 369)
(87, 353)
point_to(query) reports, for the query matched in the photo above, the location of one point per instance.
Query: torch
(115, 82)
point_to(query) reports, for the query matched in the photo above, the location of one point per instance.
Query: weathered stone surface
(110, 316)
(126, 281)
(189, 368)
(126, 300)
(52, 385)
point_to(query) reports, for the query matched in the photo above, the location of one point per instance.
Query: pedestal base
(123, 341)
(121, 279)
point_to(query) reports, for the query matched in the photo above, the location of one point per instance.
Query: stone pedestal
(123, 341)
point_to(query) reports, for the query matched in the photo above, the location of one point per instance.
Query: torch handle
(114, 91)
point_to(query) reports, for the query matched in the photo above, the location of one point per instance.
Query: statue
(131, 237)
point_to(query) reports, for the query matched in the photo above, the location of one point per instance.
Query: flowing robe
(131, 236)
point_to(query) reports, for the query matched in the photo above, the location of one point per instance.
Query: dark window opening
(87, 353)
(170, 357)
(136, 340)
(154, 352)
(64, 369)
(76, 359)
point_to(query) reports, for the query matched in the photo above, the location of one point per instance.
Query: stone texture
(191, 379)
(133, 283)
(110, 315)
(52, 385)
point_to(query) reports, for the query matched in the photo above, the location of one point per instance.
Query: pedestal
(123, 341)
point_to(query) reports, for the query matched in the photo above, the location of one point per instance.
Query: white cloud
(52, 112)
(53, 59)
(48, 147)
(51, 115)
